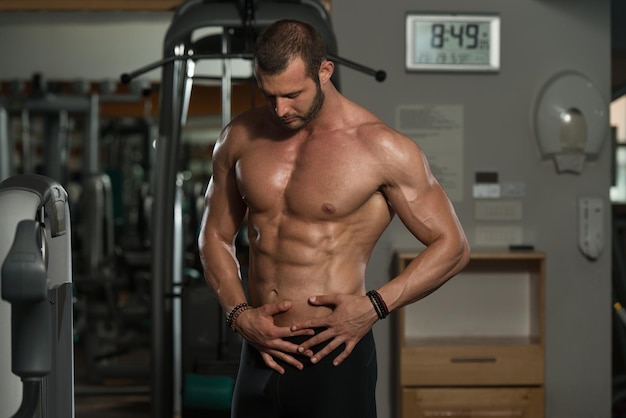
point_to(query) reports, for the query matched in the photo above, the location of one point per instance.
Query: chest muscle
(311, 180)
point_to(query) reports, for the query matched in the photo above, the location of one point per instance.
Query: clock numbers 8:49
(462, 33)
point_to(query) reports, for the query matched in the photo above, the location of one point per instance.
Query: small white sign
(487, 191)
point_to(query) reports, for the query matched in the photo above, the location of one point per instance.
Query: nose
(281, 107)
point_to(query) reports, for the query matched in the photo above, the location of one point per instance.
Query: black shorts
(318, 391)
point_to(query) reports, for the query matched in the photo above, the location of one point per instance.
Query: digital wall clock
(452, 42)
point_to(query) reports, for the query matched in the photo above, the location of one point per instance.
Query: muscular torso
(315, 211)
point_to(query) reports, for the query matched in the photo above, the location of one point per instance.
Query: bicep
(223, 212)
(224, 209)
(417, 197)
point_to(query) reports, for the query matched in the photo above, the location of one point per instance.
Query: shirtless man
(319, 179)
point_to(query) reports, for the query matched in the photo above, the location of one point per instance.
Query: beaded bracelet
(234, 314)
(376, 306)
(379, 304)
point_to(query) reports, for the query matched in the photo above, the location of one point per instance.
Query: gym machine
(36, 318)
(5, 147)
(47, 102)
(240, 21)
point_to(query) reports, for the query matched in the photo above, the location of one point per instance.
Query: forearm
(432, 267)
(222, 271)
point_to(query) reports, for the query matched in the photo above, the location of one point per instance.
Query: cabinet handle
(472, 360)
(466, 413)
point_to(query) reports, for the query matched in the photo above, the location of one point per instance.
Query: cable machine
(240, 21)
(36, 325)
(56, 109)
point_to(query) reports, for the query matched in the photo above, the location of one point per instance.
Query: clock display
(452, 42)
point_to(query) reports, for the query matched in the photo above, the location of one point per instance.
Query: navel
(328, 208)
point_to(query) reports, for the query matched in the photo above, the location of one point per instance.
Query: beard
(309, 115)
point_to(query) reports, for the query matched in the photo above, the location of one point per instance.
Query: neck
(330, 114)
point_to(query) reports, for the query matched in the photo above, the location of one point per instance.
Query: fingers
(323, 322)
(305, 347)
(281, 352)
(270, 360)
(309, 325)
(283, 346)
(329, 348)
(343, 355)
(303, 331)
(291, 361)
(276, 308)
(320, 300)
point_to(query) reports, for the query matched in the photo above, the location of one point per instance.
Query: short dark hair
(285, 40)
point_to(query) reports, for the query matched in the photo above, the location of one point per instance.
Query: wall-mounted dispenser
(591, 235)
(571, 121)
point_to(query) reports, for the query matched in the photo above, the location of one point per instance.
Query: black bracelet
(380, 300)
(234, 314)
(379, 304)
(375, 305)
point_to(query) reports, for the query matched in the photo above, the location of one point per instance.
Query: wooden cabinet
(498, 402)
(475, 347)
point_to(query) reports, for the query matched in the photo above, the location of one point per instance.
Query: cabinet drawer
(471, 365)
(473, 402)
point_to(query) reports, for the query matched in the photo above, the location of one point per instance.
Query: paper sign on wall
(438, 130)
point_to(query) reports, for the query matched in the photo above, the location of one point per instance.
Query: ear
(327, 68)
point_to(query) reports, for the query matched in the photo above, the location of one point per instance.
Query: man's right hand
(257, 327)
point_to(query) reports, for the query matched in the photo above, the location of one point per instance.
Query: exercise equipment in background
(36, 318)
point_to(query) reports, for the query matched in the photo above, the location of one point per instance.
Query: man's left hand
(352, 317)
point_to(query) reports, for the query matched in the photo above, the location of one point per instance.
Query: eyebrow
(292, 93)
